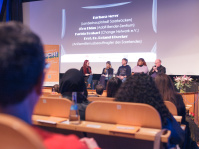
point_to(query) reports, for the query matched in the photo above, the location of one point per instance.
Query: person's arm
(110, 71)
(118, 71)
(82, 71)
(146, 70)
(164, 70)
(90, 143)
(128, 71)
(103, 71)
(180, 107)
(90, 69)
(151, 71)
(177, 134)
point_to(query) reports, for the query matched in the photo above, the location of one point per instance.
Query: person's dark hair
(108, 62)
(166, 87)
(112, 86)
(55, 88)
(99, 89)
(73, 81)
(21, 62)
(141, 59)
(140, 88)
(125, 60)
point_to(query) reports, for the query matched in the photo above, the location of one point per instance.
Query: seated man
(157, 69)
(124, 71)
(22, 70)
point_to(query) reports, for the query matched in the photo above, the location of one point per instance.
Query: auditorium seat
(101, 98)
(57, 95)
(124, 114)
(16, 134)
(171, 107)
(52, 109)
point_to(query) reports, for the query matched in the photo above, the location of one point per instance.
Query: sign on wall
(52, 57)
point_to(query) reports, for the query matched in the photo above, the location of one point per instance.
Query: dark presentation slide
(110, 26)
(102, 30)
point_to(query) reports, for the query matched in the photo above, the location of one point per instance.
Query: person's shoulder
(54, 140)
(162, 66)
(129, 66)
(178, 96)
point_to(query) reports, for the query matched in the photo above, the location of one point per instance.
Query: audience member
(73, 81)
(22, 65)
(113, 86)
(168, 93)
(55, 88)
(86, 71)
(124, 71)
(158, 68)
(99, 89)
(140, 88)
(141, 67)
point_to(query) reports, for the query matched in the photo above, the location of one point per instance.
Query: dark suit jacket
(160, 69)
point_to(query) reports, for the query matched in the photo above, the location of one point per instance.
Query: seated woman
(112, 86)
(140, 88)
(73, 81)
(167, 91)
(107, 73)
(86, 71)
(141, 67)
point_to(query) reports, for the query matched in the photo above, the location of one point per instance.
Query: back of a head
(55, 88)
(21, 62)
(99, 89)
(72, 81)
(165, 87)
(140, 88)
(113, 86)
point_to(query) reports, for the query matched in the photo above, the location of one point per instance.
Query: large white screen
(110, 30)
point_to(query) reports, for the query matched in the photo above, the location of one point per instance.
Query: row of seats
(105, 118)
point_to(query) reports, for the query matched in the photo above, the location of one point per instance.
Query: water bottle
(74, 117)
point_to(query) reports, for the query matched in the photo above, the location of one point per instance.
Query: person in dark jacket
(157, 69)
(73, 81)
(124, 71)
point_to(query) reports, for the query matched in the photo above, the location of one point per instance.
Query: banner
(52, 57)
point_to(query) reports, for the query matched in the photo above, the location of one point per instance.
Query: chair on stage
(16, 134)
(124, 114)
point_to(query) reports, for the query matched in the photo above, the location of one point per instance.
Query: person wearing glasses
(157, 68)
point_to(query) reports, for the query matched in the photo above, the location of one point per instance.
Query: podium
(190, 97)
